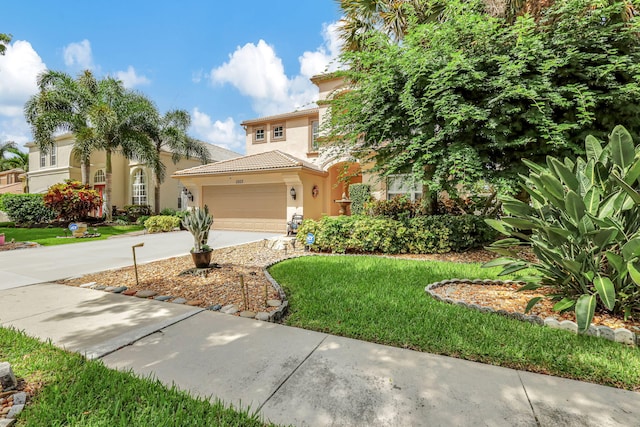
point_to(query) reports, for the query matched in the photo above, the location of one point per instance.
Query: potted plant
(199, 221)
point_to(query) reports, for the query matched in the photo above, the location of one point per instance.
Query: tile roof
(290, 115)
(269, 161)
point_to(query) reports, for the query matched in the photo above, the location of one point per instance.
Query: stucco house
(132, 182)
(284, 172)
(12, 181)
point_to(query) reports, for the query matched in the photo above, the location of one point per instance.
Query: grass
(78, 392)
(383, 300)
(49, 236)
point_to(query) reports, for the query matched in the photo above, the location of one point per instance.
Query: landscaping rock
(88, 285)
(7, 379)
(215, 307)
(552, 323)
(129, 292)
(194, 302)
(14, 411)
(109, 288)
(163, 297)
(274, 303)
(179, 301)
(568, 325)
(20, 398)
(7, 422)
(146, 293)
(624, 336)
(119, 289)
(229, 309)
(263, 315)
(592, 331)
(247, 314)
(606, 333)
(99, 287)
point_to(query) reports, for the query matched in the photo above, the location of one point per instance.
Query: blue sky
(224, 62)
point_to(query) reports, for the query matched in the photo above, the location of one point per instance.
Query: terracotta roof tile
(271, 160)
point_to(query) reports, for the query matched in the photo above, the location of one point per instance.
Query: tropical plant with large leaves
(583, 225)
(168, 132)
(5, 148)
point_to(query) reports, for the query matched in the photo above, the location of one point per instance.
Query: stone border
(621, 335)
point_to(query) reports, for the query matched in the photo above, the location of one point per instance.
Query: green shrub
(9, 224)
(133, 212)
(161, 223)
(583, 224)
(168, 212)
(142, 219)
(27, 208)
(399, 208)
(360, 194)
(419, 235)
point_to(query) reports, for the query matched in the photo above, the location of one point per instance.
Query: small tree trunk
(429, 197)
(156, 195)
(85, 168)
(107, 189)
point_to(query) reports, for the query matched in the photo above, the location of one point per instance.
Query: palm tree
(169, 132)
(18, 160)
(5, 148)
(102, 114)
(5, 39)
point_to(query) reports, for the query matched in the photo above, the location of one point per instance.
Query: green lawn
(49, 236)
(383, 300)
(77, 392)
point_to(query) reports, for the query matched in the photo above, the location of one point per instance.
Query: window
(139, 188)
(43, 160)
(398, 185)
(259, 135)
(99, 177)
(315, 128)
(52, 156)
(278, 132)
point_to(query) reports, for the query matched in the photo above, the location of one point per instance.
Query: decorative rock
(193, 302)
(15, 410)
(4, 422)
(229, 309)
(163, 297)
(247, 314)
(119, 289)
(274, 303)
(99, 287)
(146, 294)
(20, 398)
(129, 292)
(552, 323)
(568, 325)
(179, 301)
(215, 307)
(87, 285)
(591, 331)
(606, 333)
(263, 315)
(624, 336)
(109, 288)
(7, 379)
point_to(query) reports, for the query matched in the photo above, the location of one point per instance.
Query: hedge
(26, 208)
(161, 223)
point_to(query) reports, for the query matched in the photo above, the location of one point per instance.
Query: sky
(222, 61)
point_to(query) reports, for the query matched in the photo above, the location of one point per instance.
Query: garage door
(248, 207)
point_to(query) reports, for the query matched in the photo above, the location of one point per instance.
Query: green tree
(5, 148)
(102, 114)
(5, 39)
(465, 98)
(169, 132)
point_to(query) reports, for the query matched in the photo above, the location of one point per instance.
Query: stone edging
(621, 335)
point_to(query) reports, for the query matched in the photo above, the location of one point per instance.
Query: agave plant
(583, 224)
(199, 221)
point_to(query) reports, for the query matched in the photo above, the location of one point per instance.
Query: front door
(100, 189)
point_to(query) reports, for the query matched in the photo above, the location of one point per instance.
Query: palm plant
(5, 148)
(169, 132)
(18, 160)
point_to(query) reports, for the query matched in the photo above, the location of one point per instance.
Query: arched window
(139, 188)
(99, 177)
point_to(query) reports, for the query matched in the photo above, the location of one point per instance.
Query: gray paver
(241, 361)
(349, 382)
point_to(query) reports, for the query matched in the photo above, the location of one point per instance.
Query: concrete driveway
(29, 266)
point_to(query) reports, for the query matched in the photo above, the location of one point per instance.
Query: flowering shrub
(72, 200)
(161, 223)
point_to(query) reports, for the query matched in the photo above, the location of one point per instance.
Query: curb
(620, 335)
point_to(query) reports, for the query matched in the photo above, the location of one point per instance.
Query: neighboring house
(284, 172)
(132, 182)
(12, 181)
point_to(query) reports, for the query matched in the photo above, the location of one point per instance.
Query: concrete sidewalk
(294, 376)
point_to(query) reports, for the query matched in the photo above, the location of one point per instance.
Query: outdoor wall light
(293, 193)
(187, 193)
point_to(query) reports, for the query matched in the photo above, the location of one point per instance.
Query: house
(132, 181)
(284, 172)
(11, 181)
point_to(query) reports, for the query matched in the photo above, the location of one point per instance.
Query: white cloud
(78, 55)
(257, 72)
(19, 70)
(130, 79)
(223, 133)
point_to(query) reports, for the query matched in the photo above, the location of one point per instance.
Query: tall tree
(102, 114)
(468, 97)
(169, 133)
(5, 39)
(18, 159)
(5, 148)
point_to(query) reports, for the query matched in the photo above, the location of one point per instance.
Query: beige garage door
(248, 207)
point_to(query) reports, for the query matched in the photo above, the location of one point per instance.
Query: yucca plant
(199, 221)
(583, 226)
